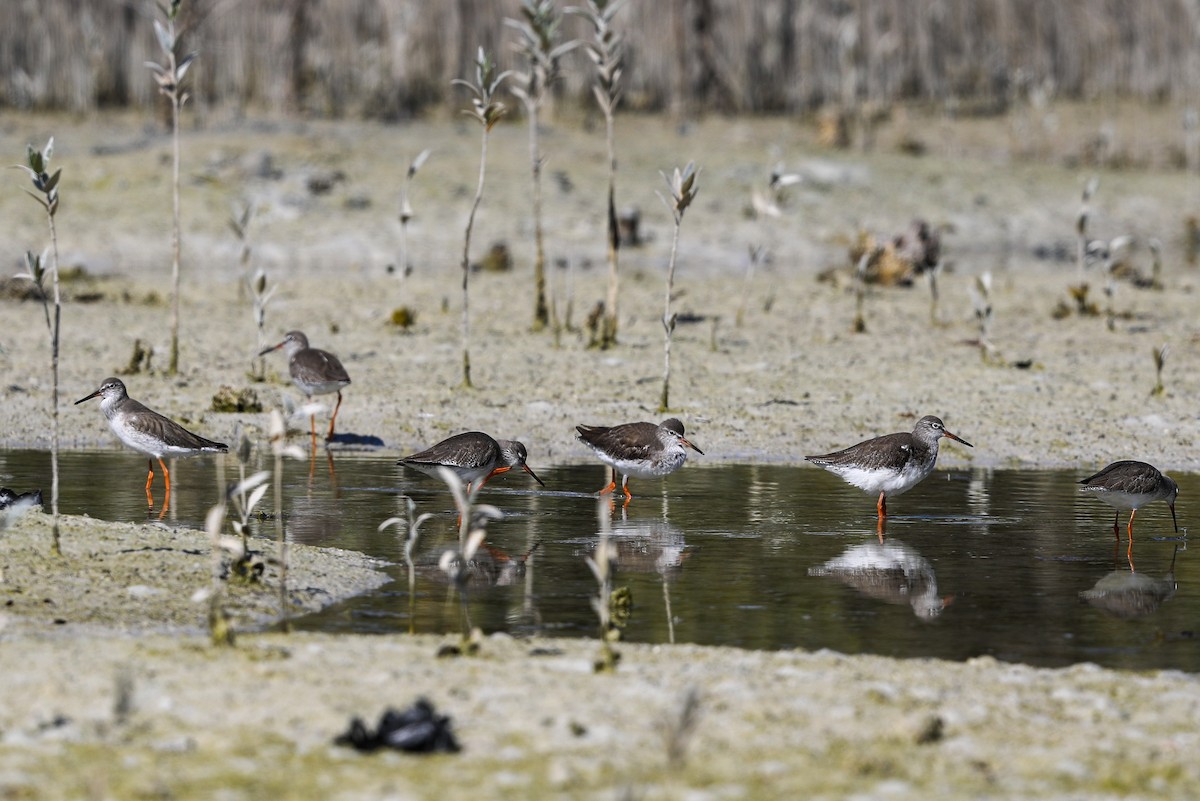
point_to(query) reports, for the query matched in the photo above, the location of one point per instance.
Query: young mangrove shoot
(169, 75)
(682, 186)
(487, 110)
(37, 166)
(538, 31)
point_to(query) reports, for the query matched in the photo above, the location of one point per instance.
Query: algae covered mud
(93, 713)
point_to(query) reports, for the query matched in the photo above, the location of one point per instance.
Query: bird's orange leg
(167, 497)
(149, 481)
(312, 424)
(484, 480)
(333, 419)
(1117, 525)
(612, 485)
(880, 528)
(625, 489)
(1130, 529)
(881, 506)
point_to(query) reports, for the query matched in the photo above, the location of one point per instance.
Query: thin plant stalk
(1081, 231)
(860, 288)
(277, 434)
(541, 312)
(220, 631)
(169, 75)
(538, 30)
(488, 112)
(466, 265)
(683, 191)
(37, 167)
(407, 214)
(606, 53)
(261, 295)
(608, 336)
(1160, 360)
(54, 340)
(173, 368)
(668, 321)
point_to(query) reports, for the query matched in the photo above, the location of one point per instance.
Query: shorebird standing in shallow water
(891, 464)
(643, 450)
(1131, 485)
(472, 456)
(314, 372)
(148, 432)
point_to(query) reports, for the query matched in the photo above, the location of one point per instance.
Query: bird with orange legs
(1131, 485)
(890, 464)
(148, 432)
(314, 372)
(642, 450)
(473, 456)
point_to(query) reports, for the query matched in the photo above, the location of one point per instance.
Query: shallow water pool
(1013, 564)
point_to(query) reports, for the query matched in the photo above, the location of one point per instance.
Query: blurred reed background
(388, 59)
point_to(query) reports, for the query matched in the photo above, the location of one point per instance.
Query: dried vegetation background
(392, 58)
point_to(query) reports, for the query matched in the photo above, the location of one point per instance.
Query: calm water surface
(1013, 564)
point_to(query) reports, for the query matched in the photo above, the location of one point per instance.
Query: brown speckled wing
(628, 441)
(1126, 476)
(314, 366)
(890, 452)
(470, 449)
(164, 429)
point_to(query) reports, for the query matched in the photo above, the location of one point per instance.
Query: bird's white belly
(138, 440)
(319, 387)
(882, 480)
(1122, 500)
(637, 468)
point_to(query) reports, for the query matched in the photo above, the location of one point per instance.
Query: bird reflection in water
(1128, 594)
(651, 546)
(888, 571)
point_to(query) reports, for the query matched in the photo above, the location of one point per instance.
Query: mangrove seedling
(37, 167)
(981, 301)
(487, 110)
(1081, 227)
(169, 75)
(457, 562)
(403, 315)
(239, 223)
(260, 296)
(277, 436)
(1160, 359)
(220, 625)
(1156, 281)
(607, 54)
(861, 269)
(410, 524)
(682, 186)
(538, 30)
(245, 495)
(1079, 291)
